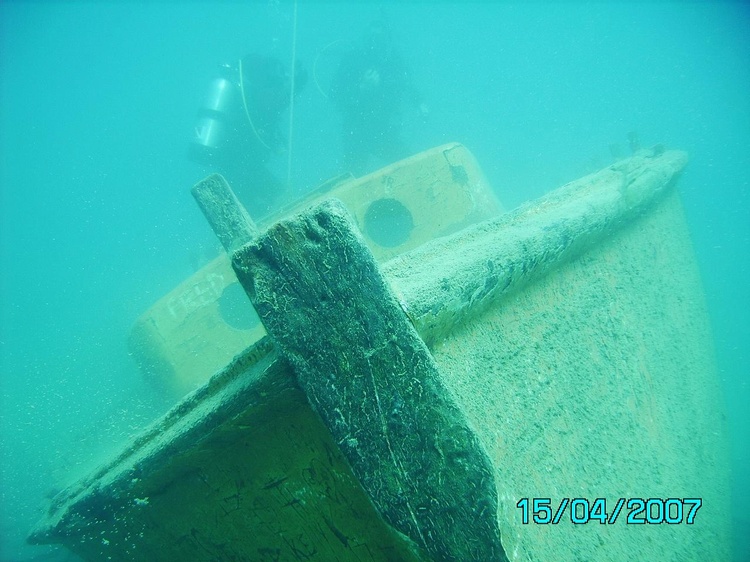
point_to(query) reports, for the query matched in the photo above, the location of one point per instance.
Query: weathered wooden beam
(228, 218)
(365, 370)
(455, 278)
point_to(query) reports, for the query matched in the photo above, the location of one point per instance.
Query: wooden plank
(365, 370)
(228, 218)
(453, 279)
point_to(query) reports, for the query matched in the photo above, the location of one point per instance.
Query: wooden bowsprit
(366, 372)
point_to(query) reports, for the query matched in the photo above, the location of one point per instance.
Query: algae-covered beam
(228, 218)
(454, 278)
(365, 370)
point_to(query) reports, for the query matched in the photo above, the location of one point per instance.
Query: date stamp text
(634, 511)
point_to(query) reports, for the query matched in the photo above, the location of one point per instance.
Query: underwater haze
(98, 102)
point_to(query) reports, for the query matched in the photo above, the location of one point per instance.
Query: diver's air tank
(215, 117)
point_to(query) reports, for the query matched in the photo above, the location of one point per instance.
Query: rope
(247, 111)
(291, 97)
(315, 66)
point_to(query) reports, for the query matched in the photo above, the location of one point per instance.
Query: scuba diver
(238, 129)
(370, 88)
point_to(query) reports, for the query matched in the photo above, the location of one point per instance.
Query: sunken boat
(397, 368)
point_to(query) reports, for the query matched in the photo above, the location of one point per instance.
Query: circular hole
(388, 223)
(236, 309)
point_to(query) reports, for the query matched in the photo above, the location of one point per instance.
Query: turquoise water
(96, 221)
